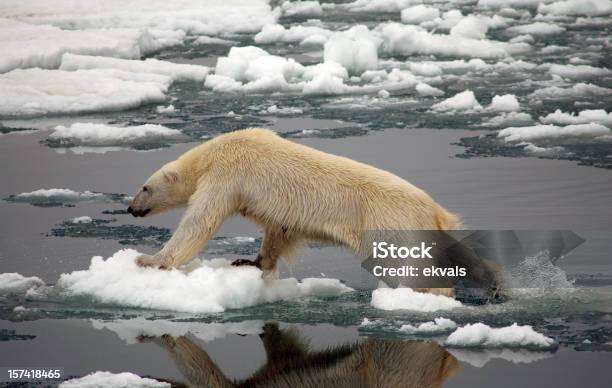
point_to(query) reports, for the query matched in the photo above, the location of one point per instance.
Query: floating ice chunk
(579, 71)
(303, 34)
(82, 220)
(515, 336)
(577, 7)
(523, 39)
(25, 45)
(507, 3)
(331, 68)
(303, 8)
(35, 92)
(598, 116)
(537, 28)
(204, 40)
(206, 287)
(325, 83)
(383, 93)
(426, 90)
(436, 327)
(407, 299)
(355, 49)
(538, 132)
(273, 109)
(165, 109)
(12, 282)
(378, 5)
(61, 197)
(576, 90)
(506, 119)
(161, 18)
(427, 69)
(368, 323)
(505, 103)
(409, 39)
(113, 380)
(463, 101)
(101, 135)
(471, 27)
(130, 329)
(252, 63)
(419, 13)
(176, 71)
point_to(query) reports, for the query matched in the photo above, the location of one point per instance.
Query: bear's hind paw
(241, 262)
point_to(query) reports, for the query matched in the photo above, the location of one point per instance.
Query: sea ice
(481, 335)
(436, 327)
(101, 135)
(303, 8)
(419, 13)
(505, 103)
(598, 116)
(577, 7)
(176, 71)
(201, 287)
(12, 282)
(407, 299)
(36, 92)
(539, 132)
(464, 101)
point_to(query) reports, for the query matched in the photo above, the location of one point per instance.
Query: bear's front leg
(156, 261)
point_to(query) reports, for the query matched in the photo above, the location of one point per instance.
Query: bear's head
(164, 190)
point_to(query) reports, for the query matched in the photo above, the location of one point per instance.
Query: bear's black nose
(130, 210)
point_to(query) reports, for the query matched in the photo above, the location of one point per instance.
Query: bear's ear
(171, 176)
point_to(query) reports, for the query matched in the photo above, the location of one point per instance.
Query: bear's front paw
(147, 261)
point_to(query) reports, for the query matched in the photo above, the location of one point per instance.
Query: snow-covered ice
(436, 327)
(464, 101)
(598, 116)
(408, 299)
(82, 220)
(549, 131)
(15, 283)
(176, 71)
(514, 336)
(201, 287)
(505, 103)
(102, 135)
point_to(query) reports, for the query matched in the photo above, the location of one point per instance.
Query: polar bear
(294, 192)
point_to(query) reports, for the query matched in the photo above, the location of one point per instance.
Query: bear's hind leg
(277, 242)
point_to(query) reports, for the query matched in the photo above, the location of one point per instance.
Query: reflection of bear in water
(294, 192)
(370, 363)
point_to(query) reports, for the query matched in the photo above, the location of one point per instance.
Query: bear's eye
(145, 189)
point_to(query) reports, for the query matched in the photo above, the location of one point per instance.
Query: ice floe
(25, 45)
(480, 335)
(82, 220)
(102, 379)
(419, 13)
(176, 71)
(505, 103)
(102, 135)
(408, 299)
(548, 131)
(65, 197)
(577, 7)
(598, 116)
(537, 28)
(35, 92)
(355, 49)
(409, 39)
(15, 283)
(201, 287)
(302, 8)
(579, 71)
(464, 101)
(436, 327)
